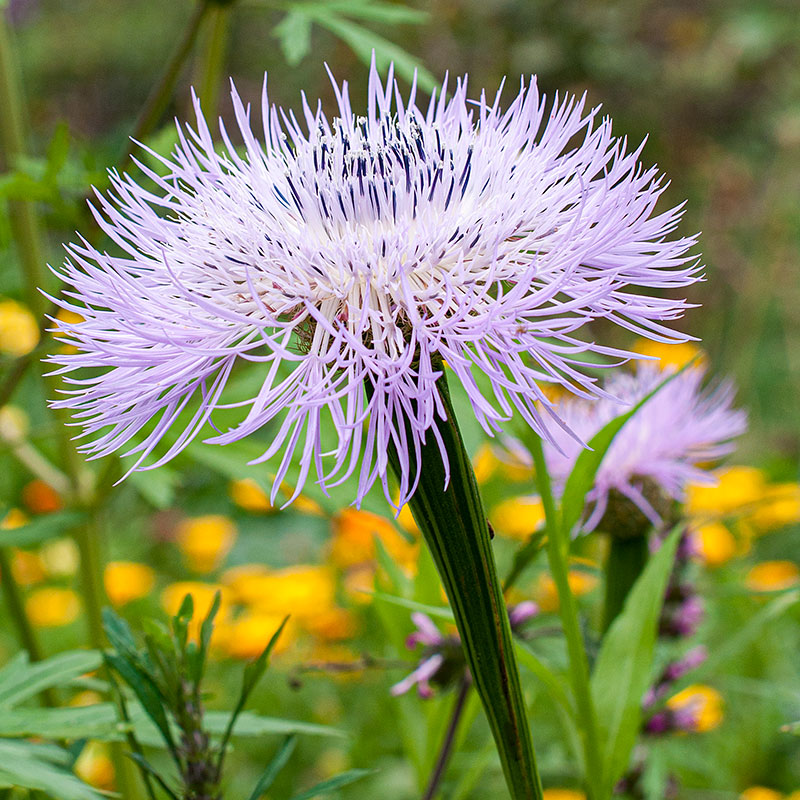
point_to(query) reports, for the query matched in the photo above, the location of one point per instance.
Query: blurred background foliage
(715, 86)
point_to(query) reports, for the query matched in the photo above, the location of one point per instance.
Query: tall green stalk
(453, 522)
(558, 540)
(211, 59)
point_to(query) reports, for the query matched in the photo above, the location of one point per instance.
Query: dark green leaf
(275, 766)
(622, 670)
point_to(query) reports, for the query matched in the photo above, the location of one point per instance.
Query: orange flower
(332, 624)
(247, 494)
(41, 498)
(714, 543)
(546, 594)
(671, 355)
(563, 794)
(771, 576)
(518, 517)
(27, 568)
(19, 332)
(354, 534)
(126, 581)
(737, 489)
(94, 766)
(778, 507)
(202, 596)
(246, 636)
(760, 793)
(704, 702)
(302, 591)
(52, 608)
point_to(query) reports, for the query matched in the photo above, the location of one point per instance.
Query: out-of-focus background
(715, 86)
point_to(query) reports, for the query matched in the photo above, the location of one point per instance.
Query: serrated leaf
(294, 34)
(41, 529)
(274, 767)
(20, 684)
(330, 785)
(97, 722)
(622, 671)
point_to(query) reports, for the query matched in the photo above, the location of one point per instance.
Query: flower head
(659, 450)
(350, 257)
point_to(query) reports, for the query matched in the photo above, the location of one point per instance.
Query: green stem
(558, 541)
(16, 608)
(212, 59)
(627, 558)
(453, 523)
(159, 97)
(22, 213)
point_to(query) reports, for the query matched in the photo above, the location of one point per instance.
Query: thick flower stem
(453, 523)
(558, 558)
(627, 558)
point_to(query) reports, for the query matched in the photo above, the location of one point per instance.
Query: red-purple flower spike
(365, 249)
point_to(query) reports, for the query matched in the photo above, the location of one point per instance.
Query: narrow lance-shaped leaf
(274, 767)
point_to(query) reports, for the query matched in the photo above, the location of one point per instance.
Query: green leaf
(555, 684)
(57, 151)
(41, 529)
(581, 478)
(19, 684)
(156, 486)
(148, 770)
(376, 11)
(440, 612)
(38, 767)
(294, 34)
(330, 785)
(97, 722)
(275, 766)
(364, 42)
(622, 670)
(198, 659)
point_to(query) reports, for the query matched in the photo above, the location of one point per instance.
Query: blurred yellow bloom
(27, 568)
(332, 761)
(332, 624)
(359, 583)
(86, 698)
(738, 488)
(126, 581)
(247, 635)
(484, 463)
(237, 579)
(205, 541)
(770, 576)
(405, 519)
(73, 319)
(353, 541)
(301, 503)
(778, 506)
(563, 794)
(302, 591)
(19, 332)
(202, 596)
(14, 424)
(714, 543)
(703, 701)
(61, 557)
(41, 498)
(546, 594)
(94, 766)
(517, 517)
(14, 519)
(671, 355)
(51, 608)
(247, 494)
(760, 793)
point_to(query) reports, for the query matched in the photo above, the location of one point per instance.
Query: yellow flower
(19, 333)
(302, 591)
(247, 494)
(546, 594)
(359, 583)
(27, 568)
(738, 488)
(517, 517)
(703, 701)
(202, 596)
(205, 541)
(73, 319)
(14, 519)
(671, 355)
(94, 766)
(332, 624)
(238, 579)
(760, 793)
(484, 463)
(51, 608)
(61, 557)
(563, 794)
(714, 543)
(126, 581)
(778, 506)
(353, 541)
(41, 498)
(14, 424)
(301, 503)
(770, 576)
(247, 635)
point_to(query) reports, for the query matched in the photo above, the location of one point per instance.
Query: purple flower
(362, 250)
(683, 426)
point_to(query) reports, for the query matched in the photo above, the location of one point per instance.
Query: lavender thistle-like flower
(360, 252)
(660, 448)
